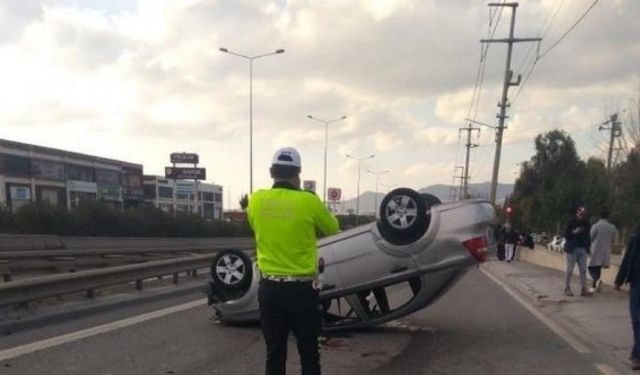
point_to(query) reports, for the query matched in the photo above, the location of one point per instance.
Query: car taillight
(477, 247)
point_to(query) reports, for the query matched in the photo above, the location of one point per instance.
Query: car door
(360, 263)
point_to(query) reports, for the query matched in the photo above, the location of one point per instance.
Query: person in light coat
(603, 233)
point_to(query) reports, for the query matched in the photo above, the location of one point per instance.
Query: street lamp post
(326, 140)
(251, 58)
(376, 173)
(358, 183)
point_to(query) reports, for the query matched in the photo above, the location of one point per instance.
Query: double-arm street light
(377, 173)
(358, 184)
(326, 137)
(251, 58)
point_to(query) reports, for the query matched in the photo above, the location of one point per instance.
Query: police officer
(285, 220)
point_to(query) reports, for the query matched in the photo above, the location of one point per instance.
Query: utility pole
(616, 132)
(508, 82)
(469, 145)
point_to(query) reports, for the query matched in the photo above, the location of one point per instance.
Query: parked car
(556, 244)
(376, 272)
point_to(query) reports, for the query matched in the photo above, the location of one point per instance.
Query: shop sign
(20, 193)
(110, 192)
(184, 158)
(82, 186)
(180, 173)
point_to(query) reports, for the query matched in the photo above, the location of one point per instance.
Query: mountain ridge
(368, 199)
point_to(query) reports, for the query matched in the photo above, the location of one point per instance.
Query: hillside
(368, 199)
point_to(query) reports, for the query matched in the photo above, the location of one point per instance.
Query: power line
(526, 78)
(569, 30)
(548, 27)
(484, 50)
(540, 55)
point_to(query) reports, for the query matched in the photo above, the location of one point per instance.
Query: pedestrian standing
(511, 239)
(500, 242)
(576, 248)
(629, 272)
(285, 220)
(603, 233)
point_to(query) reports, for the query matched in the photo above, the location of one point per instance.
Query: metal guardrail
(217, 244)
(50, 286)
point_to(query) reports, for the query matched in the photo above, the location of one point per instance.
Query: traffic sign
(309, 185)
(334, 194)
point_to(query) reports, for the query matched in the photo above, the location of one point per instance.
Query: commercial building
(184, 196)
(30, 173)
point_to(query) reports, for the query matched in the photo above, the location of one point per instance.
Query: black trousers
(284, 307)
(595, 272)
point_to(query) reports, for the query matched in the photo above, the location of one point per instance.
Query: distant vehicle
(376, 272)
(556, 244)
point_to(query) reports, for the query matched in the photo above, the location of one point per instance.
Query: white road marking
(78, 335)
(575, 344)
(606, 369)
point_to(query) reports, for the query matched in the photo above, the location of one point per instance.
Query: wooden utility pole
(508, 82)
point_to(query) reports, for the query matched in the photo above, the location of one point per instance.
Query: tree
(550, 184)
(596, 187)
(632, 121)
(626, 194)
(244, 202)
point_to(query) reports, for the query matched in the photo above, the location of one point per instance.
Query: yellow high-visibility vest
(285, 220)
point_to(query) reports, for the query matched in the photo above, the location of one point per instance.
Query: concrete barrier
(556, 260)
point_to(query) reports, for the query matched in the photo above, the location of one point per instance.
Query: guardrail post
(63, 264)
(139, 284)
(194, 274)
(91, 293)
(176, 278)
(4, 270)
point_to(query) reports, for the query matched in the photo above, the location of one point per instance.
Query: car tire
(430, 200)
(231, 271)
(403, 216)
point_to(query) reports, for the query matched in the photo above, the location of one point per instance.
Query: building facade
(184, 196)
(30, 173)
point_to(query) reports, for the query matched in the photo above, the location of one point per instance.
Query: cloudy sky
(137, 80)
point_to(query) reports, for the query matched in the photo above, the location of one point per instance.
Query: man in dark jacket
(576, 248)
(629, 272)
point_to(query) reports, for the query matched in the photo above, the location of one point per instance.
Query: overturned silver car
(377, 272)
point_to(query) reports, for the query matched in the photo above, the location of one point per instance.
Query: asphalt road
(476, 328)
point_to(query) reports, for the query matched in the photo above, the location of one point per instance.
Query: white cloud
(136, 82)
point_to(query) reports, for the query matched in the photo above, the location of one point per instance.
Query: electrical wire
(540, 55)
(551, 16)
(568, 30)
(480, 74)
(548, 27)
(526, 78)
(484, 50)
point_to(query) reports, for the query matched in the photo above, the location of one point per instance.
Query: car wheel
(231, 270)
(403, 216)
